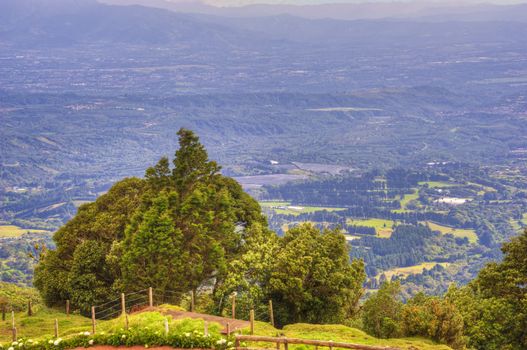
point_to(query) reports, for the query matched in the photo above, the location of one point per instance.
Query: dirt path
(178, 315)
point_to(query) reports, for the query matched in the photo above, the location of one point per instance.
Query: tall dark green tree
(152, 250)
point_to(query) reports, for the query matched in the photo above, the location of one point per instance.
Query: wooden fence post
(13, 325)
(286, 346)
(29, 308)
(56, 328)
(166, 327)
(206, 328)
(123, 304)
(233, 312)
(67, 307)
(237, 343)
(126, 322)
(150, 297)
(93, 319)
(3, 311)
(271, 315)
(251, 319)
(192, 300)
(228, 328)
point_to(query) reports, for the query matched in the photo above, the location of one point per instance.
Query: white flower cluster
(221, 341)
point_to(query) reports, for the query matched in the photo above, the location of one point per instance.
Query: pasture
(10, 231)
(383, 227)
(457, 232)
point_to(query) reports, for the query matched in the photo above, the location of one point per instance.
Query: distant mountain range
(68, 22)
(57, 23)
(422, 10)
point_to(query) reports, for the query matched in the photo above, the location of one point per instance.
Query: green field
(410, 270)
(462, 233)
(15, 231)
(437, 184)
(285, 208)
(405, 200)
(383, 227)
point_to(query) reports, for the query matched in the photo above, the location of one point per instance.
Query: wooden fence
(316, 343)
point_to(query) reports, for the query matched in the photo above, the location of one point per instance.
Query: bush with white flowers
(134, 336)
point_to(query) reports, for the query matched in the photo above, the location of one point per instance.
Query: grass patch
(383, 227)
(407, 198)
(340, 333)
(462, 233)
(42, 324)
(437, 184)
(15, 231)
(410, 270)
(285, 208)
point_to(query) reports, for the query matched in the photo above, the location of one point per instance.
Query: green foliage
(143, 336)
(381, 313)
(435, 318)
(152, 250)
(313, 279)
(494, 305)
(249, 274)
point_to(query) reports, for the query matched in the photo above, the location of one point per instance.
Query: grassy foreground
(40, 326)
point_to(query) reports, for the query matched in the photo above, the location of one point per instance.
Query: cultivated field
(15, 231)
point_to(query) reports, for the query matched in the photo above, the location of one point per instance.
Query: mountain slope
(31, 23)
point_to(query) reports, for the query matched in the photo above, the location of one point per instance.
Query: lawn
(457, 232)
(410, 270)
(15, 231)
(383, 227)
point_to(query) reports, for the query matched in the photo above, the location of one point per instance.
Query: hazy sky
(308, 2)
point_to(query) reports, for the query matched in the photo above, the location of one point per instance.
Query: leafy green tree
(96, 226)
(313, 279)
(494, 305)
(89, 279)
(433, 317)
(249, 274)
(381, 313)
